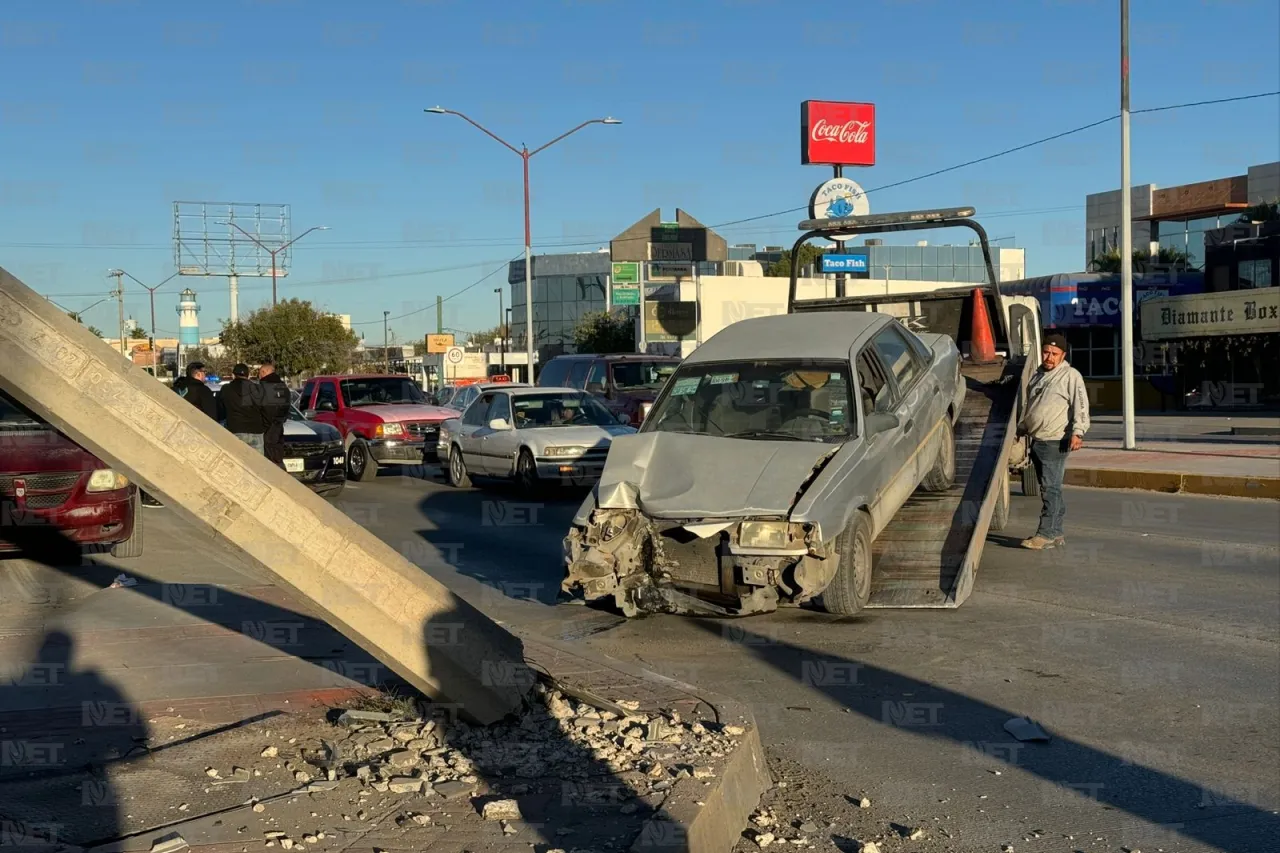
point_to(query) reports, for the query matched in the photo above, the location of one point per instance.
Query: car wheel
(360, 464)
(458, 476)
(131, 547)
(527, 473)
(943, 473)
(850, 590)
(1000, 515)
(1030, 482)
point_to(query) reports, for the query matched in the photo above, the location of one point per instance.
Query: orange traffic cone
(982, 345)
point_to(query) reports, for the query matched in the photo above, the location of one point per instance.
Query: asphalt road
(1149, 648)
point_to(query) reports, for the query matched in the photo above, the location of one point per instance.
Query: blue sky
(111, 110)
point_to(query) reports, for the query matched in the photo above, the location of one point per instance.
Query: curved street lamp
(524, 153)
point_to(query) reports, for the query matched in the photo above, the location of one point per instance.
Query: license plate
(338, 460)
(293, 466)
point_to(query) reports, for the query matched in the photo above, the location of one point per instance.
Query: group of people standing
(254, 410)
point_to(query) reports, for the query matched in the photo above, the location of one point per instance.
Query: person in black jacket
(241, 400)
(192, 388)
(276, 402)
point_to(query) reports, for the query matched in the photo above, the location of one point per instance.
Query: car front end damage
(721, 567)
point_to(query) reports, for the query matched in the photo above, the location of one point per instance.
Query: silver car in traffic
(772, 459)
(532, 435)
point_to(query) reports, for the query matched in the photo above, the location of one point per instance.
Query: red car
(48, 481)
(384, 420)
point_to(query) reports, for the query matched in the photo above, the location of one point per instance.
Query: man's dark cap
(194, 367)
(241, 370)
(1056, 339)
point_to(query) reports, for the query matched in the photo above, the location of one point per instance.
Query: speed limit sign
(453, 355)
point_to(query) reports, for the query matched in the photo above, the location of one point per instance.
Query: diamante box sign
(1236, 312)
(837, 133)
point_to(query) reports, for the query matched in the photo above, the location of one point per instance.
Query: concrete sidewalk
(1242, 469)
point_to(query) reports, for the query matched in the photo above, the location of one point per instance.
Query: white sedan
(532, 435)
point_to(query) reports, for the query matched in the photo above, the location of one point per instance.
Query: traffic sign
(626, 294)
(454, 355)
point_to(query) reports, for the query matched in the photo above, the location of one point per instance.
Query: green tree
(219, 365)
(95, 330)
(298, 337)
(602, 332)
(138, 333)
(1261, 213)
(489, 336)
(809, 254)
(1167, 258)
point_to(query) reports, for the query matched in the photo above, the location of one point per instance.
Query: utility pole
(1126, 238)
(502, 331)
(439, 315)
(386, 349)
(119, 295)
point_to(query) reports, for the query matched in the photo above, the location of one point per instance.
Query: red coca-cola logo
(838, 133)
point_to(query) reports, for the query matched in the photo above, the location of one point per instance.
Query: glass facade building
(565, 287)
(945, 263)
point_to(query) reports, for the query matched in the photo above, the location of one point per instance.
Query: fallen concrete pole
(363, 588)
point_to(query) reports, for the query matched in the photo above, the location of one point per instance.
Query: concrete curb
(1173, 482)
(682, 825)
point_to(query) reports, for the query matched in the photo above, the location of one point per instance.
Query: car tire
(943, 473)
(457, 470)
(1000, 515)
(1030, 482)
(360, 464)
(131, 547)
(527, 473)
(850, 590)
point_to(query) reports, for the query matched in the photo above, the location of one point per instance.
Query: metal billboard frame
(208, 240)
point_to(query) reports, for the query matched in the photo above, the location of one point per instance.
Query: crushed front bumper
(695, 566)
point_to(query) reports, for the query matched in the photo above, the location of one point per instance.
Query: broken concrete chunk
(764, 839)
(169, 843)
(501, 810)
(405, 785)
(736, 731)
(301, 776)
(320, 787)
(1026, 729)
(508, 829)
(259, 807)
(211, 772)
(453, 788)
(286, 843)
(863, 803)
(869, 847)
(629, 704)
(402, 758)
(915, 834)
(272, 836)
(270, 752)
(629, 808)
(382, 745)
(360, 718)
(703, 773)
(808, 827)
(311, 839)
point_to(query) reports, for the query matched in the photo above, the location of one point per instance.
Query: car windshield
(785, 400)
(379, 389)
(634, 375)
(564, 409)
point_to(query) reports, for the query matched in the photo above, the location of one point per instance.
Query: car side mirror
(499, 424)
(326, 406)
(878, 422)
(308, 414)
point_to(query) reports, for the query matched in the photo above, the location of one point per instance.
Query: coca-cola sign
(837, 133)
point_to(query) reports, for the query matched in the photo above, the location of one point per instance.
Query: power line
(475, 283)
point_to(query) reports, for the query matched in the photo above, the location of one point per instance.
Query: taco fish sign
(837, 133)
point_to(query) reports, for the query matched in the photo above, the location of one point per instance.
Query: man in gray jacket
(1056, 418)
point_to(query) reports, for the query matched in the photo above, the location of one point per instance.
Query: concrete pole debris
(358, 584)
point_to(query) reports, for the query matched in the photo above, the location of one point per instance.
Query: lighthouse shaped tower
(188, 319)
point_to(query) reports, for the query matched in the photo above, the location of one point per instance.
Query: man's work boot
(1038, 542)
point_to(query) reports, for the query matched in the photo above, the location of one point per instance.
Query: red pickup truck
(48, 482)
(384, 420)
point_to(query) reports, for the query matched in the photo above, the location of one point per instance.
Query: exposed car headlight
(387, 430)
(566, 450)
(106, 480)
(762, 534)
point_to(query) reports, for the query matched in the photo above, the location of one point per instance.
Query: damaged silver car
(767, 466)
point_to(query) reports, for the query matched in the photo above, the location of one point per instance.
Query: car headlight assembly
(388, 430)
(763, 534)
(565, 450)
(106, 480)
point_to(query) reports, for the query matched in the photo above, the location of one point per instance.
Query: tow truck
(928, 556)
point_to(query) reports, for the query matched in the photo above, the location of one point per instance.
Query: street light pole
(152, 292)
(119, 295)
(386, 350)
(502, 331)
(1126, 238)
(274, 252)
(524, 153)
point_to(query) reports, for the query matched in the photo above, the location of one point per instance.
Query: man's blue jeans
(1050, 461)
(254, 440)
